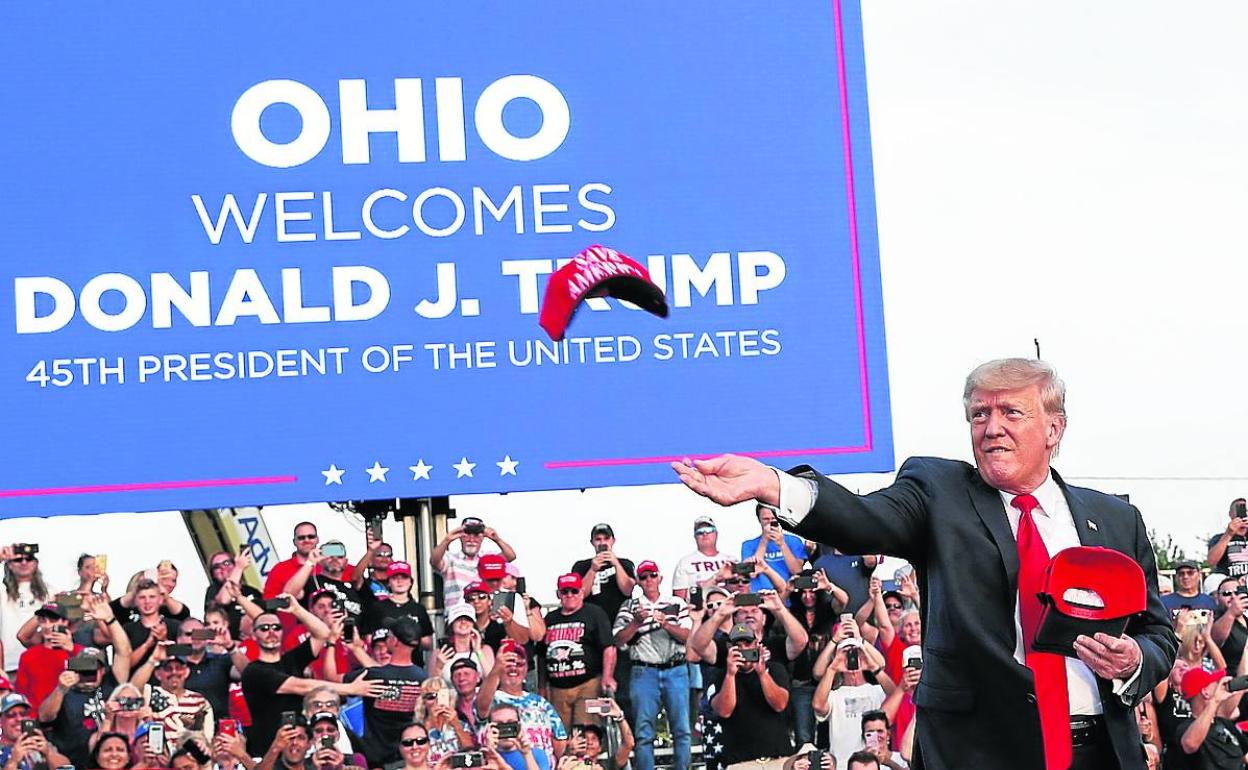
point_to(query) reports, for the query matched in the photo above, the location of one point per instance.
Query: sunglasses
(705, 531)
(269, 627)
(306, 537)
(407, 743)
(647, 575)
(477, 597)
(386, 554)
(1227, 593)
(737, 581)
(23, 558)
(893, 606)
(569, 591)
(712, 606)
(430, 696)
(223, 563)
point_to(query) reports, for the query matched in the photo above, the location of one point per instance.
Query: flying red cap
(595, 272)
(492, 566)
(570, 580)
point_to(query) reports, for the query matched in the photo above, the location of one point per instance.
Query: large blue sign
(277, 252)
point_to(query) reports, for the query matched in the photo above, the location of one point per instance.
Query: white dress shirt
(1057, 529)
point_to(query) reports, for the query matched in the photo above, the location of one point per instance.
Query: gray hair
(1014, 373)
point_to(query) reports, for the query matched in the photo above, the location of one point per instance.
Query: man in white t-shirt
(701, 565)
(843, 695)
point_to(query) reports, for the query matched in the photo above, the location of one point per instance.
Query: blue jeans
(649, 686)
(802, 712)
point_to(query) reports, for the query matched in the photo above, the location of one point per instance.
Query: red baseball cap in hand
(596, 272)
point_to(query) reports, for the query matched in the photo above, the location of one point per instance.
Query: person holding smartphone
(750, 696)
(1228, 551)
(845, 693)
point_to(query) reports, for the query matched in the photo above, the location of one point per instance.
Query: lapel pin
(1092, 525)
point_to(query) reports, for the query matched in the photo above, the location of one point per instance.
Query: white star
(507, 466)
(333, 475)
(420, 470)
(463, 468)
(376, 473)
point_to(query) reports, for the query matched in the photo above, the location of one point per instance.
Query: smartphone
(805, 583)
(348, 629)
(508, 729)
(671, 610)
(179, 650)
(156, 738)
(816, 758)
(851, 658)
(503, 599)
(289, 719)
(695, 597)
(28, 727)
(327, 741)
(521, 586)
(228, 727)
(463, 759)
(1241, 509)
(871, 740)
(749, 654)
(444, 697)
(334, 550)
(275, 605)
(748, 600)
(743, 568)
(101, 563)
(1237, 684)
(203, 634)
(915, 663)
(601, 547)
(82, 664)
(598, 706)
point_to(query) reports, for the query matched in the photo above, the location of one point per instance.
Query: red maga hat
(492, 566)
(597, 272)
(1088, 590)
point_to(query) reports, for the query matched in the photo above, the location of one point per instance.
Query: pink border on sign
(858, 312)
(148, 486)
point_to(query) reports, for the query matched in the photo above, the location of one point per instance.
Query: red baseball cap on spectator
(510, 645)
(398, 568)
(478, 587)
(570, 580)
(1197, 679)
(492, 566)
(647, 566)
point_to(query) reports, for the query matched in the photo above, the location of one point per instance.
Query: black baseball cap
(1186, 564)
(404, 629)
(602, 529)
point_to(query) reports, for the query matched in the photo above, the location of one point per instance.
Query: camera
(851, 658)
(601, 547)
(275, 605)
(805, 583)
(463, 759)
(748, 600)
(508, 729)
(749, 654)
(474, 527)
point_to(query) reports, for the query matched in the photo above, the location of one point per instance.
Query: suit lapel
(987, 503)
(1085, 520)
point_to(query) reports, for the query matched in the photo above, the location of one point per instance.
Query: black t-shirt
(573, 645)
(385, 717)
(776, 644)
(755, 730)
(1233, 647)
(803, 666)
(605, 593)
(260, 684)
(81, 714)
(211, 678)
(344, 592)
(126, 615)
(138, 633)
(1235, 561)
(1223, 749)
(233, 610)
(377, 611)
(493, 635)
(1170, 712)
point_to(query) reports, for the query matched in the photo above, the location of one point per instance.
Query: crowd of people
(782, 654)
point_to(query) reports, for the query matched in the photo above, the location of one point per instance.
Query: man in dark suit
(974, 534)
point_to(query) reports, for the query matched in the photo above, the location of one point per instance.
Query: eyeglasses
(23, 558)
(306, 537)
(407, 743)
(705, 531)
(569, 591)
(269, 627)
(1227, 593)
(17, 714)
(325, 704)
(223, 563)
(893, 606)
(477, 597)
(712, 606)
(737, 581)
(386, 554)
(647, 575)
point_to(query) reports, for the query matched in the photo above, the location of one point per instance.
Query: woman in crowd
(24, 592)
(464, 642)
(1196, 645)
(436, 710)
(816, 609)
(111, 752)
(414, 747)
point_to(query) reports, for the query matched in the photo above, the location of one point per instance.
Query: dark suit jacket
(976, 703)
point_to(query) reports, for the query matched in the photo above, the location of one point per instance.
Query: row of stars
(463, 469)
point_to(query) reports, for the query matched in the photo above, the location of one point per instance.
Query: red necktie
(1049, 669)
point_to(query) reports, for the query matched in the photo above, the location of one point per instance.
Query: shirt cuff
(1123, 688)
(797, 498)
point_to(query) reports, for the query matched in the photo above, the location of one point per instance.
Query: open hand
(730, 479)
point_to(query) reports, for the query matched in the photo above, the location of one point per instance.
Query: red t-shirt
(38, 670)
(283, 571)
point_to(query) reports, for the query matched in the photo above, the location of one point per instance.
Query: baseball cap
(1088, 590)
(1195, 680)
(404, 629)
(477, 587)
(459, 610)
(513, 570)
(1186, 564)
(595, 272)
(602, 529)
(703, 521)
(715, 590)
(51, 610)
(323, 716)
(11, 700)
(511, 645)
(896, 595)
(398, 568)
(491, 566)
(464, 663)
(741, 633)
(647, 566)
(847, 642)
(570, 580)
(94, 654)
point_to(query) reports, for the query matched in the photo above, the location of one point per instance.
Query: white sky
(1070, 171)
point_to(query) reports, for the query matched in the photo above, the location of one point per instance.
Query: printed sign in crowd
(276, 254)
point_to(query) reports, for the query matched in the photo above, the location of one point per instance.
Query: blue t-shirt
(850, 573)
(774, 558)
(516, 760)
(1173, 602)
